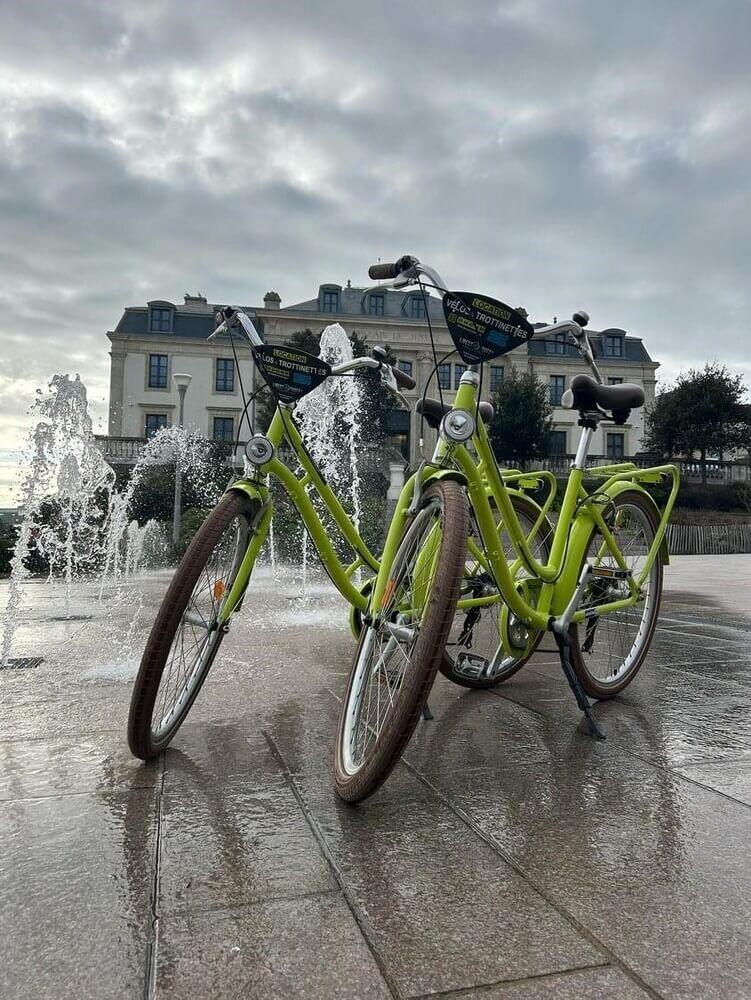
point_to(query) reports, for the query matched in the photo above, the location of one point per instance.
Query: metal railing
(120, 449)
(716, 472)
(127, 450)
(708, 539)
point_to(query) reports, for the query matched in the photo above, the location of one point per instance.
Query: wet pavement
(508, 856)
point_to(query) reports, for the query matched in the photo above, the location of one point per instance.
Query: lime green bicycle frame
(581, 514)
(281, 428)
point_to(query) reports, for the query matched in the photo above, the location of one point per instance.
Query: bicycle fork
(560, 629)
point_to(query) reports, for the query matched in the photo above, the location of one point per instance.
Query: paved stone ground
(508, 856)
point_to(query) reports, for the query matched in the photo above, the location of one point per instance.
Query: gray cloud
(562, 155)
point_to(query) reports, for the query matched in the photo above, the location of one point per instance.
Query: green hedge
(725, 497)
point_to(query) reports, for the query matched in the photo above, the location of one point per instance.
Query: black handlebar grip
(403, 380)
(378, 271)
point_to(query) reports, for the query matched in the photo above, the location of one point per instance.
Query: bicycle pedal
(471, 665)
(610, 573)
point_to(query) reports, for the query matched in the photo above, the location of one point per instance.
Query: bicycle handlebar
(388, 271)
(403, 380)
(379, 271)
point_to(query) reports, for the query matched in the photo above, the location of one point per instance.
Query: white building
(153, 341)
(149, 345)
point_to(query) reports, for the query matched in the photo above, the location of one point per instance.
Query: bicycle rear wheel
(475, 657)
(185, 637)
(398, 654)
(608, 652)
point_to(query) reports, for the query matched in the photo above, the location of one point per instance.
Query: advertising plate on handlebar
(483, 328)
(291, 374)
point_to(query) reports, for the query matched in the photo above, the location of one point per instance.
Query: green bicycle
(212, 578)
(594, 581)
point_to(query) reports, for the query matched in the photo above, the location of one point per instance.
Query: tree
(523, 416)
(703, 412)
(305, 340)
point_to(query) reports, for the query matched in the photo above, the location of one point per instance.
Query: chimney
(272, 300)
(195, 298)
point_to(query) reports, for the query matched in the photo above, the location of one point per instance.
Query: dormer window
(613, 345)
(556, 345)
(331, 300)
(376, 305)
(160, 320)
(416, 307)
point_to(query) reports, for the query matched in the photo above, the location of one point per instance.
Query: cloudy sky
(561, 155)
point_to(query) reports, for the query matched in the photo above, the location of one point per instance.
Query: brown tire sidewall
(169, 616)
(425, 657)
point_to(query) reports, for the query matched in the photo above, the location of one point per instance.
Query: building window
(225, 375)
(615, 380)
(158, 364)
(223, 429)
(444, 376)
(375, 305)
(496, 377)
(160, 321)
(154, 423)
(615, 446)
(556, 345)
(557, 387)
(416, 307)
(459, 370)
(331, 300)
(557, 443)
(613, 344)
(406, 367)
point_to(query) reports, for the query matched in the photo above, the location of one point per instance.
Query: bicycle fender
(251, 490)
(578, 543)
(452, 474)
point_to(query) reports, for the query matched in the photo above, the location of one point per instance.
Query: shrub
(8, 534)
(726, 497)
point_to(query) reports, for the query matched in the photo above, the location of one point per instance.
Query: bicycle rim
(384, 656)
(610, 649)
(198, 634)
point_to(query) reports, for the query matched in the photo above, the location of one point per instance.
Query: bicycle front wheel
(186, 634)
(398, 654)
(607, 652)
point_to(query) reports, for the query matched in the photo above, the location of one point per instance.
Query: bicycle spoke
(618, 635)
(386, 657)
(193, 642)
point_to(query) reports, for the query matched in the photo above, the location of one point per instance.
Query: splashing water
(63, 495)
(329, 419)
(76, 524)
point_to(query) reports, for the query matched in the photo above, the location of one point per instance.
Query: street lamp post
(182, 381)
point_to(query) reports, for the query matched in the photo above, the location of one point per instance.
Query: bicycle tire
(582, 659)
(143, 742)
(425, 654)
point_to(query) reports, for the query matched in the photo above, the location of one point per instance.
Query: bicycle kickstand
(426, 713)
(559, 627)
